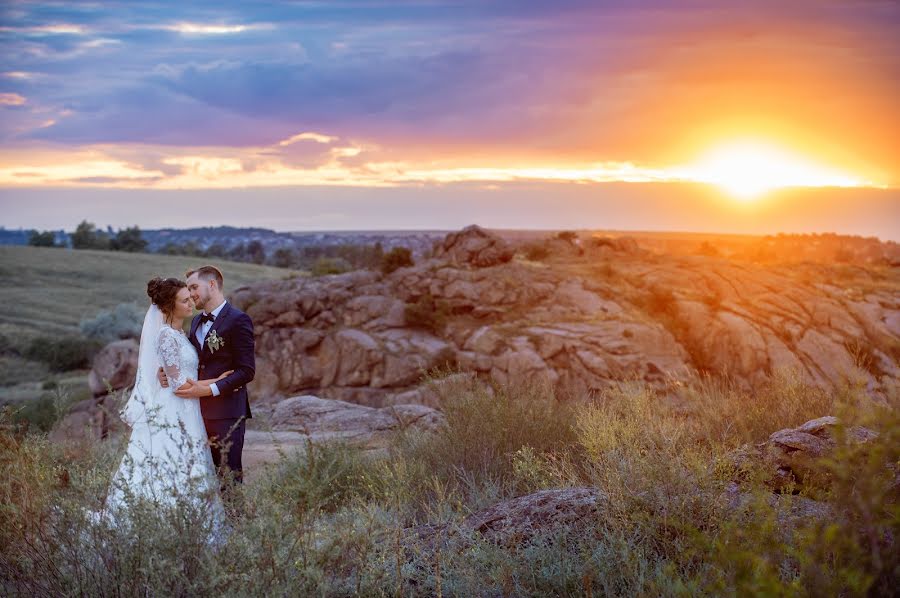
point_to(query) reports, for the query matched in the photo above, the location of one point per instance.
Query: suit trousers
(226, 439)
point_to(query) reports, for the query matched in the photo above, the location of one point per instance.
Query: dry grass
(46, 290)
(332, 522)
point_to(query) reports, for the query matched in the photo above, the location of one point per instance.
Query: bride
(168, 461)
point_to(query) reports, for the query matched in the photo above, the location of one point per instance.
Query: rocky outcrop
(114, 367)
(326, 420)
(619, 312)
(474, 246)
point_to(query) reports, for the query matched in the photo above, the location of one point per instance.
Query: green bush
(322, 478)
(128, 239)
(427, 313)
(86, 236)
(37, 414)
(487, 428)
(398, 257)
(46, 238)
(659, 302)
(536, 252)
(123, 321)
(63, 353)
(329, 265)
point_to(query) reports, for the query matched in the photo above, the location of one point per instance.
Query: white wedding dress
(168, 460)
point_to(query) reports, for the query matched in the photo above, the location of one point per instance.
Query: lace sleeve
(169, 353)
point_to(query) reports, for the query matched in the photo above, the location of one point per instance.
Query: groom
(223, 337)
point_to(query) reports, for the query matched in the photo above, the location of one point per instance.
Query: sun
(748, 170)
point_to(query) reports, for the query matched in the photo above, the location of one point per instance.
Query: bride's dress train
(167, 461)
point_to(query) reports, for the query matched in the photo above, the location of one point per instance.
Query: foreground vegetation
(337, 521)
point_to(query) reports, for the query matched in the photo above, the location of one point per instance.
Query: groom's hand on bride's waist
(193, 390)
(161, 376)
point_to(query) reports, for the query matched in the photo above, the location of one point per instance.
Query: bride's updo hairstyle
(162, 292)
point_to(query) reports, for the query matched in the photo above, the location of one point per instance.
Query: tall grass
(336, 521)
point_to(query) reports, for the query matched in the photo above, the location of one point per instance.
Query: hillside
(46, 290)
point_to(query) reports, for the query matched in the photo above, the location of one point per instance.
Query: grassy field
(46, 290)
(676, 515)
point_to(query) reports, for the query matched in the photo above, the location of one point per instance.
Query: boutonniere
(214, 342)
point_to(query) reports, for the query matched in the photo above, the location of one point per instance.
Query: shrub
(329, 265)
(128, 239)
(659, 301)
(46, 238)
(398, 257)
(486, 429)
(86, 236)
(322, 478)
(708, 249)
(123, 321)
(427, 313)
(567, 235)
(39, 414)
(63, 353)
(536, 252)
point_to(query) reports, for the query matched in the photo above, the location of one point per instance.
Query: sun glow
(747, 170)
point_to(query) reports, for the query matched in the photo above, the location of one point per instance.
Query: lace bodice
(177, 356)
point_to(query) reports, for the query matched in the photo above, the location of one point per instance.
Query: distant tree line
(88, 236)
(318, 259)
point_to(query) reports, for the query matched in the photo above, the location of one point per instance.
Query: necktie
(204, 318)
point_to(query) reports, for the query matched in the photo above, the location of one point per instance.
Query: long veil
(143, 400)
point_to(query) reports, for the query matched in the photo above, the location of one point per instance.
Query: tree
(129, 239)
(86, 236)
(42, 239)
(216, 250)
(238, 253)
(256, 252)
(398, 257)
(283, 257)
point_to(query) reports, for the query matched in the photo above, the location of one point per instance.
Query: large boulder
(474, 246)
(91, 419)
(297, 421)
(325, 419)
(115, 367)
(790, 456)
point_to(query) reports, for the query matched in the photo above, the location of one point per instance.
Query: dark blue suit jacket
(236, 329)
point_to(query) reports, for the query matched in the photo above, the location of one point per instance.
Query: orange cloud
(11, 99)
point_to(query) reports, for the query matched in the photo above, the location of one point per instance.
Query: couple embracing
(189, 406)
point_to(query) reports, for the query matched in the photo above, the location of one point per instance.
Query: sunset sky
(685, 115)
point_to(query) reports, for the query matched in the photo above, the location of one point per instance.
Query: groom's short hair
(208, 273)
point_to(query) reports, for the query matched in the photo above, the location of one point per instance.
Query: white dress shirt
(201, 333)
